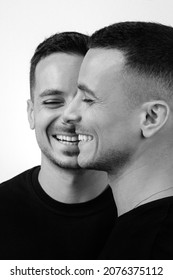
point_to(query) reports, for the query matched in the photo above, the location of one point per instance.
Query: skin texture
(56, 78)
(129, 140)
(56, 86)
(103, 105)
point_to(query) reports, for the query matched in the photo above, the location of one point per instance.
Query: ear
(30, 112)
(153, 117)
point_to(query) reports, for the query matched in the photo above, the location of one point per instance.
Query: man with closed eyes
(124, 105)
(56, 210)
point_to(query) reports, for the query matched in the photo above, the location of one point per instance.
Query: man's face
(55, 86)
(107, 122)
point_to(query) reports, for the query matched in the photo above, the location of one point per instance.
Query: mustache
(82, 130)
(70, 129)
(63, 129)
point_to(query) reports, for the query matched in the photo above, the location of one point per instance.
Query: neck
(71, 185)
(149, 178)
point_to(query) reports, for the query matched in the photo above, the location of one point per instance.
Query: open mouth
(84, 138)
(72, 140)
(67, 140)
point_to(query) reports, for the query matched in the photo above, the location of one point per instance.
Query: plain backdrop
(23, 25)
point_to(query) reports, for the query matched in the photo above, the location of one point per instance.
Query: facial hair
(111, 162)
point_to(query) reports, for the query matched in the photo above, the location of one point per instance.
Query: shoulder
(16, 183)
(167, 221)
(163, 245)
(143, 233)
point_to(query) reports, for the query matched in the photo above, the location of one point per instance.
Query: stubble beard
(111, 162)
(59, 163)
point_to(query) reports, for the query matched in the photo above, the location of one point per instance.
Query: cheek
(113, 130)
(44, 118)
(104, 121)
(98, 116)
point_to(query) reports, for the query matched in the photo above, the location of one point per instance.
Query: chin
(95, 163)
(68, 165)
(86, 163)
(66, 162)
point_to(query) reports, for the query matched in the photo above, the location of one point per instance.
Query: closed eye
(53, 103)
(87, 100)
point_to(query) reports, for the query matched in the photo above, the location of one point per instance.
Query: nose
(72, 113)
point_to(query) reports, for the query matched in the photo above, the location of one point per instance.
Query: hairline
(160, 82)
(32, 86)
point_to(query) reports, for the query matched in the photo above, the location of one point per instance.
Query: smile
(67, 140)
(84, 138)
(72, 140)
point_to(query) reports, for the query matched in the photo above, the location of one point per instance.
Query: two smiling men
(119, 120)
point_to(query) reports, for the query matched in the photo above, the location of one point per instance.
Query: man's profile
(56, 210)
(124, 106)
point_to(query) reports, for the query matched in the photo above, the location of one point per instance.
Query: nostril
(71, 118)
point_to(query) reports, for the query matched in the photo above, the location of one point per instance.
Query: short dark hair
(147, 47)
(65, 42)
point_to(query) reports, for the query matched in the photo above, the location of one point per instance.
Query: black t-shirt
(35, 226)
(145, 232)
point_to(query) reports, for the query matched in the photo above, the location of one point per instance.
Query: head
(125, 93)
(53, 83)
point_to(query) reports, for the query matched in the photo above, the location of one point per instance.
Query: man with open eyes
(56, 210)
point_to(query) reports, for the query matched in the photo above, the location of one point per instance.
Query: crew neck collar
(97, 204)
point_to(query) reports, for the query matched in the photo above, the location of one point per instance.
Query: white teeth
(71, 140)
(67, 138)
(85, 138)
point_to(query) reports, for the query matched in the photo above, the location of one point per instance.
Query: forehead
(99, 63)
(57, 69)
(60, 60)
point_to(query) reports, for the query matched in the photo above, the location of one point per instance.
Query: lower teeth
(67, 142)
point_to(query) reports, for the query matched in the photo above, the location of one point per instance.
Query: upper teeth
(67, 138)
(82, 137)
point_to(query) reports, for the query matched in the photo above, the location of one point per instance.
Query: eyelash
(87, 100)
(52, 102)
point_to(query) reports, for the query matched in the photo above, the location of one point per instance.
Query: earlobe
(153, 117)
(30, 112)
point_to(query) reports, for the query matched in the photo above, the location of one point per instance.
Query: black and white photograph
(86, 119)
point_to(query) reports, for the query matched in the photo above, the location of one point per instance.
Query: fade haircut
(147, 48)
(65, 42)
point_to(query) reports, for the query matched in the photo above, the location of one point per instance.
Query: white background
(23, 25)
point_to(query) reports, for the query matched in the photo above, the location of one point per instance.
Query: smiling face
(55, 86)
(111, 128)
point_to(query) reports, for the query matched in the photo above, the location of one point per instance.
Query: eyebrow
(86, 89)
(50, 92)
